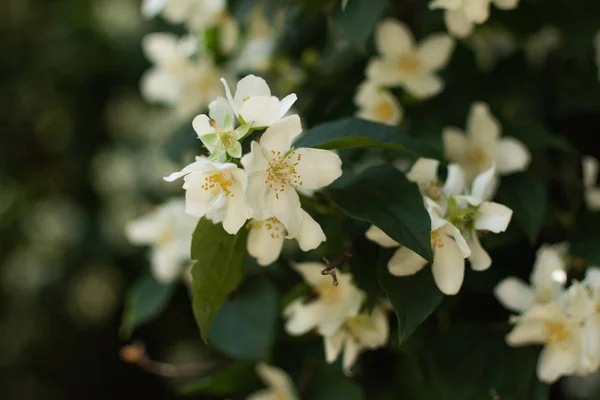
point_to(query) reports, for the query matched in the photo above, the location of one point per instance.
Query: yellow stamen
(557, 332)
(281, 172)
(217, 183)
(409, 63)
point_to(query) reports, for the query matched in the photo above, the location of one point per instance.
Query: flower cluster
(458, 216)
(265, 188)
(565, 320)
(336, 314)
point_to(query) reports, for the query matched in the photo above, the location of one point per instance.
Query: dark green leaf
(383, 196)
(219, 269)
(357, 20)
(144, 301)
(586, 238)
(525, 194)
(245, 326)
(536, 137)
(341, 389)
(354, 132)
(413, 298)
(236, 377)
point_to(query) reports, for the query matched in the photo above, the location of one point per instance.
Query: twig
(331, 266)
(135, 353)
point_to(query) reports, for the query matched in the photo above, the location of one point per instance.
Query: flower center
(557, 332)
(228, 139)
(434, 190)
(384, 111)
(279, 395)
(328, 292)
(436, 240)
(409, 63)
(165, 237)
(218, 183)
(478, 158)
(282, 171)
(273, 225)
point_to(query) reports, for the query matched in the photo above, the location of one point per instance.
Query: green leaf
(525, 193)
(144, 301)
(344, 4)
(331, 384)
(354, 132)
(246, 326)
(536, 137)
(219, 269)
(413, 297)
(357, 20)
(586, 238)
(383, 196)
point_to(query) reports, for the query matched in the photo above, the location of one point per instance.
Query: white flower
(424, 173)
(405, 64)
(218, 134)
(280, 386)
(377, 104)
(216, 191)
(472, 213)
(562, 335)
(482, 145)
(254, 104)
(541, 43)
(590, 177)
(332, 307)
(462, 15)
(168, 229)
(265, 239)
(275, 170)
(363, 331)
(175, 79)
(547, 281)
(449, 252)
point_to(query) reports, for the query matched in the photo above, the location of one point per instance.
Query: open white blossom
(265, 239)
(482, 145)
(461, 16)
(403, 63)
(363, 331)
(449, 252)
(378, 105)
(424, 173)
(168, 229)
(275, 170)
(590, 169)
(216, 191)
(254, 104)
(333, 306)
(279, 385)
(547, 278)
(175, 79)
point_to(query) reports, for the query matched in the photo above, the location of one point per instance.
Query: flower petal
(260, 110)
(167, 263)
(514, 294)
(405, 262)
(378, 236)
(480, 260)
(311, 272)
(279, 136)
(477, 11)
(528, 332)
(424, 171)
(200, 165)
(160, 47)
(316, 168)
(455, 144)
(333, 345)
(384, 72)
(248, 87)
(351, 351)
(448, 266)
(556, 360)
(424, 85)
(234, 107)
(274, 377)
(435, 50)
(482, 127)
(511, 155)
(492, 217)
(160, 87)
(310, 235)
(285, 206)
(286, 103)
(455, 181)
(484, 184)
(265, 241)
(218, 109)
(457, 23)
(506, 4)
(393, 38)
(590, 168)
(197, 200)
(202, 125)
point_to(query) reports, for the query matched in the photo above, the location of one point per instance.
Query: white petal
(200, 165)
(378, 236)
(581, 304)
(265, 241)
(592, 199)
(285, 206)
(405, 262)
(218, 109)
(144, 230)
(424, 170)
(311, 272)
(556, 360)
(448, 266)
(511, 156)
(197, 200)
(167, 263)
(378, 105)
(483, 184)
(310, 235)
(384, 72)
(202, 125)
(160, 87)
(261, 110)
(446, 4)
(514, 294)
(482, 127)
(457, 23)
(234, 107)
(274, 377)
(477, 11)
(286, 103)
(424, 85)
(455, 144)
(160, 47)
(333, 345)
(248, 87)
(528, 332)
(151, 8)
(548, 275)
(279, 136)
(590, 168)
(492, 217)
(506, 4)
(455, 181)
(393, 38)
(479, 258)
(316, 168)
(435, 50)
(351, 351)
(453, 232)
(237, 210)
